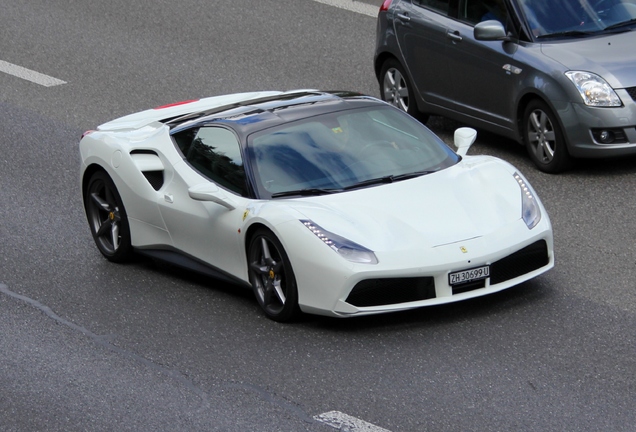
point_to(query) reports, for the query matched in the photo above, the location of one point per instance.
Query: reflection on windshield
(576, 17)
(339, 150)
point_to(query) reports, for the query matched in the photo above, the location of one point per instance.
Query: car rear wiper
(305, 192)
(387, 179)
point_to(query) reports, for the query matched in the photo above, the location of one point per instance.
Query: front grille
(524, 261)
(378, 292)
(632, 92)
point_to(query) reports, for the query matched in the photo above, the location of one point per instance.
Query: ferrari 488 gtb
(330, 203)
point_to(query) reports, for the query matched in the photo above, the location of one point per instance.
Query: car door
(207, 230)
(483, 73)
(421, 28)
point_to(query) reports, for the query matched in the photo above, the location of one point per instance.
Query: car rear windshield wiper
(387, 179)
(305, 192)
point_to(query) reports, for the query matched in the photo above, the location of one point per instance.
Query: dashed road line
(29, 75)
(353, 6)
(346, 423)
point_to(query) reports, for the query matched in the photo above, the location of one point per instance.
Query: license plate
(465, 276)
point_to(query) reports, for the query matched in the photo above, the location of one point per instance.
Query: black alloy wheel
(396, 89)
(272, 277)
(107, 218)
(544, 139)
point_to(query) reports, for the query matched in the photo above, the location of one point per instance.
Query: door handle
(404, 17)
(454, 35)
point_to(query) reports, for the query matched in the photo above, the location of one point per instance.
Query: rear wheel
(396, 89)
(107, 218)
(544, 139)
(272, 277)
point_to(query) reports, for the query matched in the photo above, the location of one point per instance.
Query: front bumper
(580, 122)
(327, 291)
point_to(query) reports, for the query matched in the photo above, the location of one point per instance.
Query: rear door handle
(454, 35)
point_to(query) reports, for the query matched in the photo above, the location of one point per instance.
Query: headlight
(346, 248)
(530, 211)
(594, 90)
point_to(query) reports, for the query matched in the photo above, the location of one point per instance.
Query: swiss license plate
(465, 276)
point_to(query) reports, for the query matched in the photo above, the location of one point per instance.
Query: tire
(272, 277)
(544, 138)
(396, 89)
(107, 218)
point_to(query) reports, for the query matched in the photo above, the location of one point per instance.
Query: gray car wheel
(107, 218)
(396, 89)
(272, 277)
(544, 139)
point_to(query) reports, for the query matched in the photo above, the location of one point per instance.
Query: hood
(611, 56)
(469, 200)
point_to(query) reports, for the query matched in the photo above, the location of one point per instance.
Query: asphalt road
(90, 345)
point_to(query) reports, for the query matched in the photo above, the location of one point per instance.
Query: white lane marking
(29, 75)
(346, 423)
(353, 6)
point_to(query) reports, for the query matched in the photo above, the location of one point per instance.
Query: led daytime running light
(530, 211)
(320, 234)
(349, 250)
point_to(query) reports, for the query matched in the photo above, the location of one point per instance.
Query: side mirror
(491, 30)
(464, 138)
(211, 193)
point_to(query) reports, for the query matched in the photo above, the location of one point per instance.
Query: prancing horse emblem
(463, 249)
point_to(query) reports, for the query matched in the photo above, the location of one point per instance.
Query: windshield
(576, 17)
(344, 150)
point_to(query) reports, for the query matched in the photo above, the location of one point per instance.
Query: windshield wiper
(305, 192)
(412, 175)
(575, 33)
(620, 24)
(369, 182)
(387, 179)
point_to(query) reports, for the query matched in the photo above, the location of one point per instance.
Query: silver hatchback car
(558, 76)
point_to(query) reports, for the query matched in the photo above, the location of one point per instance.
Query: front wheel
(272, 277)
(544, 139)
(107, 218)
(396, 89)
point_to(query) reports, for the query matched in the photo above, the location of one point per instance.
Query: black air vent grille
(378, 292)
(524, 261)
(155, 178)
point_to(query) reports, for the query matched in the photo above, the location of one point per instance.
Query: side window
(215, 152)
(436, 5)
(184, 140)
(476, 11)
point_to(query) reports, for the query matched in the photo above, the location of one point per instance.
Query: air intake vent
(524, 261)
(155, 178)
(378, 292)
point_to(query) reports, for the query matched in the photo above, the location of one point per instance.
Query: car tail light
(176, 104)
(385, 5)
(88, 132)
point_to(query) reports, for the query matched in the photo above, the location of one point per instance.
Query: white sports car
(331, 203)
